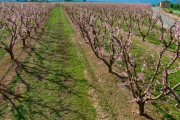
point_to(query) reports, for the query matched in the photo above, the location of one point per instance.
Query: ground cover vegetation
(109, 30)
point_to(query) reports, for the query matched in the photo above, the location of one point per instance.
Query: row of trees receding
(17, 20)
(108, 29)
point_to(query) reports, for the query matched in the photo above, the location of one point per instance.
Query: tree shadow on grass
(30, 73)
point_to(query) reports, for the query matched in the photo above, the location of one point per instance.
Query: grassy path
(54, 76)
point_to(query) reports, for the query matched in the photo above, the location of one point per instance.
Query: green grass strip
(58, 88)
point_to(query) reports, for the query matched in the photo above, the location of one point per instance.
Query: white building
(164, 4)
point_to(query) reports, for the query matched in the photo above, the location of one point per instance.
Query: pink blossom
(123, 84)
(155, 64)
(152, 55)
(148, 102)
(102, 51)
(159, 53)
(130, 43)
(144, 67)
(119, 58)
(141, 76)
(164, 80)
(3, 47)
(124, 74)
(148, 93)
(161, 92)
(132, 62)
(176, 105)
(136, 99)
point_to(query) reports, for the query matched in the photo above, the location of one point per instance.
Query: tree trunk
(141, 108)
(143, 38)
(110, 68)
(11, 54)
(24, 42)
(28, 32)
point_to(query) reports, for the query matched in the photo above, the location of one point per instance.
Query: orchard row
(17, 20)
(109, 30)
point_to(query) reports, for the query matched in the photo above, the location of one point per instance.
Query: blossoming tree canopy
(109, 30)
(18, 20)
